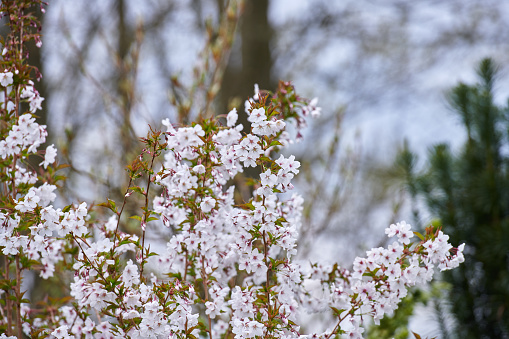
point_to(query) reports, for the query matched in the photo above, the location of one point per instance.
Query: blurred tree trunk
(125, 84)
(255, 64)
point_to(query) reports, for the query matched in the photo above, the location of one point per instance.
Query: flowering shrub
(227, 269)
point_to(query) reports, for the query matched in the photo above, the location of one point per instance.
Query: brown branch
(18, 298)
(8, 301)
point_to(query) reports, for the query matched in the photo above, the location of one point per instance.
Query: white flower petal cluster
(130, 276)
(231, 118)
(281, 181)
(32, 95)
(381, 279)
(207, 204)
(312, 108)
(24, 176)
(261, 126)
(6, 78)
(26, 135)
(49, 156)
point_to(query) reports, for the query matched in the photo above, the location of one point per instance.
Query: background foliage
(469, 191)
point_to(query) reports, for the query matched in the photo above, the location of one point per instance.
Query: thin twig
(18, 298)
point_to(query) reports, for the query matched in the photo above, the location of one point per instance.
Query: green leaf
(276, 143)
(113, 205)
(247, 206)
(137, 189)
(110, 204)
(337, 312)
(419, 235)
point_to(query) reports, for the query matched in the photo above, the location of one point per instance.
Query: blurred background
(381, 70)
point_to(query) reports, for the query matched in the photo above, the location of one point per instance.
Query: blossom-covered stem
(52, 314)
(99, 272)
(5, 183)
(206, 288)
(5, 96)
(266, 260)
(145, 209)
(21, 23)
(18, 298)
(122, 209)
(15, 158)
(338, 325)
(75, 238)
(267, 283)
(13, 177)
(335, 328)
(186, 264)
(8, 301)
(74, 321)
(16, 102)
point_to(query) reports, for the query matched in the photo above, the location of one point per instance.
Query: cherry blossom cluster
(213, 241)
(27, 135)
(30, 227)
(222, 266)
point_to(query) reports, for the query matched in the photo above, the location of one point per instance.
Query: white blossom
(6, 78)
(50, 155)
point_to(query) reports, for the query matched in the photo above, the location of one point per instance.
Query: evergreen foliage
(469, 192)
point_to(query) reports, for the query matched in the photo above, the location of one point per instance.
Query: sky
(395, 90)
